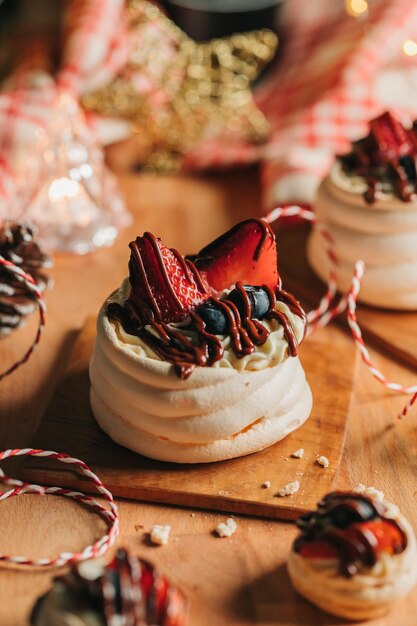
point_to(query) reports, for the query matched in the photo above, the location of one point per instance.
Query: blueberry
(114, 580)
(409, 165)
(260, 304)
(213, 317)
(258, 298)
(349, 161)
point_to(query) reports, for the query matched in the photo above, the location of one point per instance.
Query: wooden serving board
(394, 332)
(233, 486)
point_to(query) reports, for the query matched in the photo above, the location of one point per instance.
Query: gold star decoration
(176, 92)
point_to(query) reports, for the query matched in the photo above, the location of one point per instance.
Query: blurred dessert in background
(354, 556)
(125, 591)
(368, 203)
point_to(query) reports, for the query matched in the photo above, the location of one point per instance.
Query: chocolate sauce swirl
(171, 343)
(337, 512)
(142, 314)
(394, 173)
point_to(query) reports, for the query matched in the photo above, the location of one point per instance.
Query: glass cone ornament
(74, 202)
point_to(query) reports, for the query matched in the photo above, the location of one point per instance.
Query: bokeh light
(355, 8)
(410, 48)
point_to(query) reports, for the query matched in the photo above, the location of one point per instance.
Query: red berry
(389, 537)
(165, 286)
(161, 596)
(146, 579)
(319, 549)
(247, 253)
(389, 140)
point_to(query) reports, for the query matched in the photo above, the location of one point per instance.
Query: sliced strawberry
(161, 596)
(389, 139)
(247, 252)
(389, 537)
(319, 549)
(146, 578)
(165, 286)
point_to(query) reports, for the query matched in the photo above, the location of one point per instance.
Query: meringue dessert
(126, 591)
(354, 556)
(368, 203)
(196, 359)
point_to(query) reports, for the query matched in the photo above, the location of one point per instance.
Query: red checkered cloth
(94, 51)
(336, 73)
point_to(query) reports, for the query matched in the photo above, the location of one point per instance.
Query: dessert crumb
(371, 492)
(192, 514)
(159, 534)
(266, 484)
(289, 489)
(298, 454)
(323, 461)
(226, 529)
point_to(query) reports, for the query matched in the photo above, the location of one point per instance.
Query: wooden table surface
(236, 581)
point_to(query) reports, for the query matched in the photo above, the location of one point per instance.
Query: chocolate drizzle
(387, 155)
(337, 521)
(171, 343)
(155, 311)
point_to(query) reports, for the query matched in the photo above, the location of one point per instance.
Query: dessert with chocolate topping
(368, 203)
(354, 556)
(196, 357)
(18, 245)
(128, 592)
(386, 159)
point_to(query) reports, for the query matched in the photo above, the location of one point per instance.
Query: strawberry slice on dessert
(389, 139)
(247, 253)
(386, 537)
(389, 537)
(165, 286)
(319, 549)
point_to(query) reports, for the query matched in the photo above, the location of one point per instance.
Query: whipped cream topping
(353, 183)
(272, 352)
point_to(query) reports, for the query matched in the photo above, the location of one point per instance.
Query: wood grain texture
(233, 486)
(394, 332)
(230, 582)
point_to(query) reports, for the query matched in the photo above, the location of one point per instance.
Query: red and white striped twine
(30, 285)
(110, 514)
(357, 335)
(327, 309)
